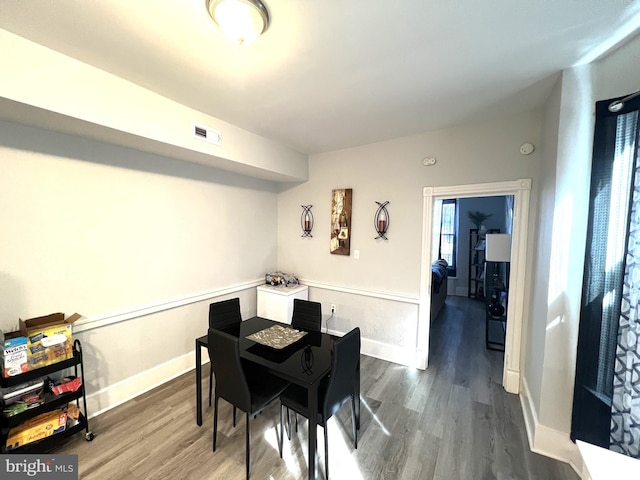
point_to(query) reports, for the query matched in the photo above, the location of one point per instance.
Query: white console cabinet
(276, 302)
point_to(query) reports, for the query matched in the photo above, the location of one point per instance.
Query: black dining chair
(340, 387)
(224, 315)
(307, 315)
(249, 389)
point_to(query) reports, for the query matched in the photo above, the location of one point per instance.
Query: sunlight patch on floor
(341, 457)
(375, 418)
(272, 436)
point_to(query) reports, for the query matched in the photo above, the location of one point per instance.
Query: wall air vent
(207, 134)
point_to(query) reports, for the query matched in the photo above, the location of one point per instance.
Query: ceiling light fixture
(241, 20)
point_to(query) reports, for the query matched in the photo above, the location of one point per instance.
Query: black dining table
(304, 363)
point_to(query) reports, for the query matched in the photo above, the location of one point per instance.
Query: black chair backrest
(225, 315)
(231, 383)
(307, 315)
(341, 385)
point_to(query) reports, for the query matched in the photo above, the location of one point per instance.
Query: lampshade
(498, 247)
(241, 20)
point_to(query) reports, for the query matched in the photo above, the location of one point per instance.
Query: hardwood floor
(452, 421)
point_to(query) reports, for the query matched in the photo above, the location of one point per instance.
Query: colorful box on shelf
(49, 339)
(40, 341)
(13, 355)
(37, 428)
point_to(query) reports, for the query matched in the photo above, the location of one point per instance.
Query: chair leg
(326, 451)
(215, 422)
(247, 444)
(281, 433)
(210, 381)
(234, 416)
(355, 422)
(288, 425)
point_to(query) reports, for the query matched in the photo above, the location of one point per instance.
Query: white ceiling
(332, 74)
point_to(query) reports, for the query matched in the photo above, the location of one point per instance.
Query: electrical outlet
(333, 308)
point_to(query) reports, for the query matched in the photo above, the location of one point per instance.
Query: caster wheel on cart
(89, 436)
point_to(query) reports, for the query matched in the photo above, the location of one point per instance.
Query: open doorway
(520, 191)
(472, 236)
(462, 239)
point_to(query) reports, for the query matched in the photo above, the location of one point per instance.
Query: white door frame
(521, 191)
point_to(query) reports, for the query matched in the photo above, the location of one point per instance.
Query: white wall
(137, 243)
(558, 303)
(575, 139)
(618, 74)
(385, 280)
(534, 335)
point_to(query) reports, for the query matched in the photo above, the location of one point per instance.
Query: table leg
(198, 384)
(357, 412)
(312, 399)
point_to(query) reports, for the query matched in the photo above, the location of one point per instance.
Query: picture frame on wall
(341, 221)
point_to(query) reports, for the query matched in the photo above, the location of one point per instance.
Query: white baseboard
(125, 390)
(461, 292)
(389, 353)
(528, 412)
(511, 381)
(558, 445)
(385, 351)
(548, 441)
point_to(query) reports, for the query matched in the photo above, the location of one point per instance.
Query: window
(448, 233)
(606, 404)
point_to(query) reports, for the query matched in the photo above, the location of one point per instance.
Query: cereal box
(13, 355)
